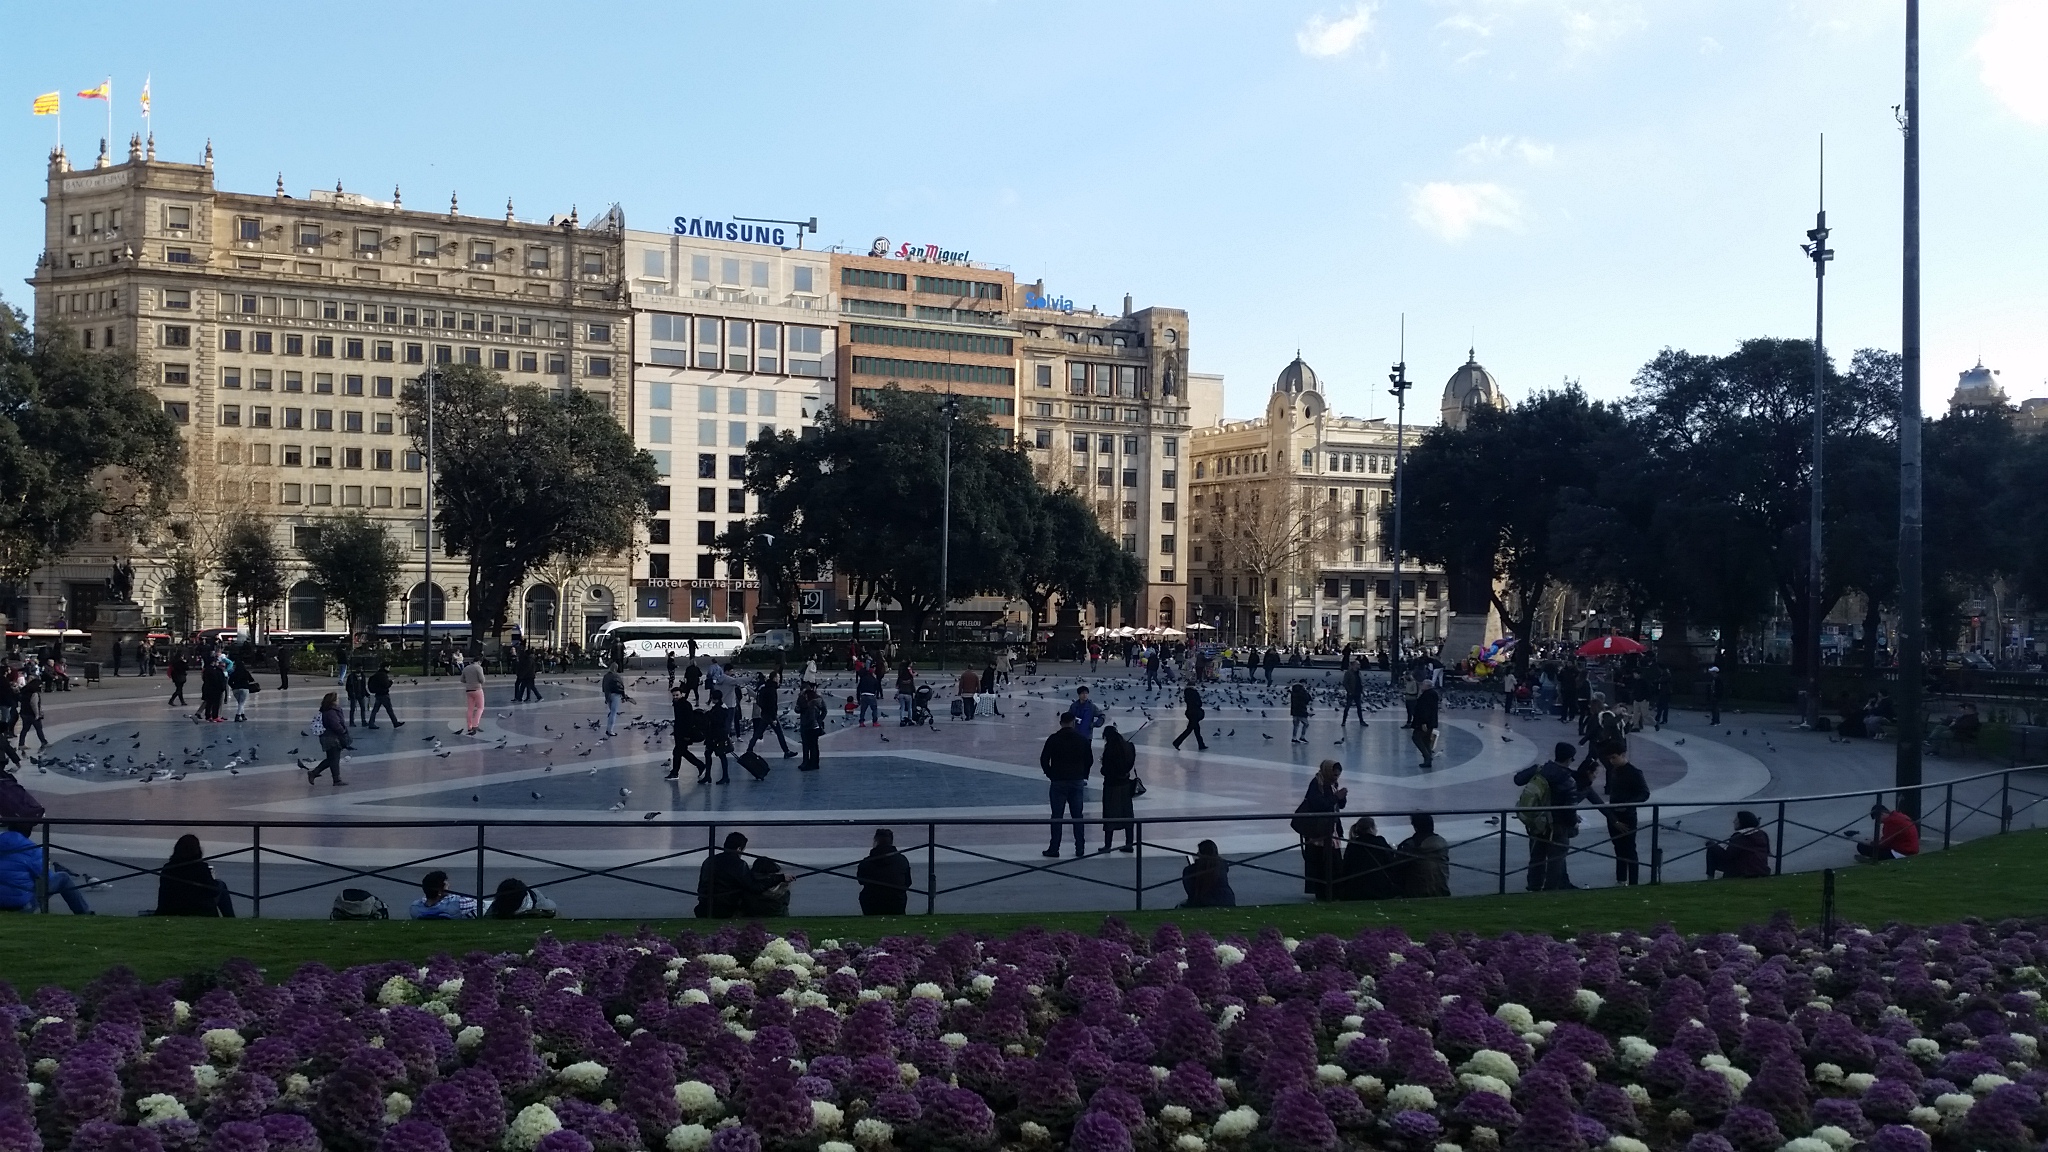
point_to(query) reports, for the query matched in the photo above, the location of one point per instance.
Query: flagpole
(108, 84)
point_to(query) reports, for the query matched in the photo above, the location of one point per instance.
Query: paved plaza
(562, 801)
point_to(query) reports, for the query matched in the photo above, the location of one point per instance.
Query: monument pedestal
(118, 624)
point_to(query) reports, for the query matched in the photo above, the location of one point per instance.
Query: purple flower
(1888, 1101)
(959, 1117)
(1706, 1094)
(239, 1136)
(1750, 1129)
(100, 1136)
(646, 1077)
(411, 1135)
(349, 1108)
(507, 1050)
(738, 1138)
(1612, 1108)
(1843, 1114)
(898, 1108)
(290, 1133)
(1779, 1088)
(776, 1107)
(469, 1106)
(1998, 1122)
(1900, 1138)
(1708, 1142)
(1418, 1129)
(1191, 1086)
(1100, 1132)
(563, 1140)
(1548, 1124)
(1120, 1104)
(1593, 1132)
(1486, 1110)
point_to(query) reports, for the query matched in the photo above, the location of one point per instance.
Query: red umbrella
(1610, 646)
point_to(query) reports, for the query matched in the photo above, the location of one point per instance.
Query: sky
(1567, 186)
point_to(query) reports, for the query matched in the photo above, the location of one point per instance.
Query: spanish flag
(46, 104)
(104, 92)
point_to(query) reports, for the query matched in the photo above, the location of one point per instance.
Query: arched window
(306, 608)
(1166, 611)
(541, 608)
(416, 603)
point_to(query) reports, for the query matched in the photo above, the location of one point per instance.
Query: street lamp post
(1817, 250)
(951, 410)
(1399, 378)
(428, 380)
(1911, 722)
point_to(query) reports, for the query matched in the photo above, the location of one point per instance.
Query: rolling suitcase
(755, 764)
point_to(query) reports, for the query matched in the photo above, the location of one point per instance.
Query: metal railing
(1482, 858)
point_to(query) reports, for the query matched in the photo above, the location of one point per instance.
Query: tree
(354, 563)
(251, 566)
(1269, 532)
(79, 439)
(522, 474)
(1064, 552)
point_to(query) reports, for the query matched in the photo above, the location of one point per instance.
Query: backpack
(1535, 795)
(358, 904)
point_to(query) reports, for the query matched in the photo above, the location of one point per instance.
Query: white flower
(688, 1138)
(206, 1076)
(1189, 1142)
(533, 1122)
(1586, 1002)
(448, 989)
(1545, 1027)
(584, 1075)
(1636, 1053)
(1923, 1117)
(1497, 1065)
(835, 1146)
(396, 1107)
(1827, 1073)
(983, 983)
(157, 1108)
(1369, 1086)
(1475, 1082)
(697, 1099)
(907, 1072)
(1858, 1082)
(1807, 1144)
(1637, 1094)
(1035, 1133)
(1235, 1124)
(870, 994)
(1986, 1082)
(1447, 1146)
(1231, 1012)
(1922, 1048)
(826, 1116)
(1713, 1060)
(1952, 1105)
(1736, 1077)
(296, 1084)
(1837, 1138)
(953, 1040)
(928, 991)
(2028, 1046)
(1175, 1114)
(47, 1066)
(623, 1020)
(395, 991)
(1515, 1016)
(35, 1091)
(1228, 955)
(1626, 1144)
(1160, 1074)
(223, 1043)
(469, 1037)
(1331, 1074)
(1534, 1039)
(872, 1133)
(1402, 1097)
(181, 1012)
(692, 996)
(719, 961)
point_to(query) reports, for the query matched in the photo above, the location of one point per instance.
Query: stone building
(279, 333)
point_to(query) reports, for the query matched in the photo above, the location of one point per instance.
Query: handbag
(1137, 786)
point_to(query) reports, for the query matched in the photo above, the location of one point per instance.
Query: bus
(456, 631)
(871, 633)
(625, 641)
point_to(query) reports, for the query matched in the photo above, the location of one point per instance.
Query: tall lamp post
(1911, 722)
(428, 382)
(1399, 378)
(951, 410)
(1817, 250)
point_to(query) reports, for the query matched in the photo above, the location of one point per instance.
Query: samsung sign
(730, 230)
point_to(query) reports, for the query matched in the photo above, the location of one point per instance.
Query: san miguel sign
(922, 253)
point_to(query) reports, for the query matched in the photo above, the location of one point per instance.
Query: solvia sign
(1050, 303)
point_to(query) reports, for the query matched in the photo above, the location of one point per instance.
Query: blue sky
(1570, 184)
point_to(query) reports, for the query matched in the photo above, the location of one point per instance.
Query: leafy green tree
(181, 591)
(79, 439)
(1065, 552)
(522, 474)
(250, 565)
(354, 563)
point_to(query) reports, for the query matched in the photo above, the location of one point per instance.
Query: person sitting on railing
(1425, 859)
(884, 876)
(1206, 879)
(1745, 854)
(515, 901)
(436, 902)
(725, 883)
(25, 864)
(771, 895)
(186, 885)
(1372, 870)
(1897, 836)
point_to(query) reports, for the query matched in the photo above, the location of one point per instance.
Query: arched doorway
(599, 609)
(1166, 611)
(416, 603)
(306, 608)
(540, 614)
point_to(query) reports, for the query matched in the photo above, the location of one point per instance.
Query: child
(849, 706)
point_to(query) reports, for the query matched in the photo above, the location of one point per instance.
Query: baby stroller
(921, 707)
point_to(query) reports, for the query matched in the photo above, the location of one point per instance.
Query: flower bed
(1905, 1040)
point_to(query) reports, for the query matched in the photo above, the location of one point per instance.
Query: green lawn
(1993, 878)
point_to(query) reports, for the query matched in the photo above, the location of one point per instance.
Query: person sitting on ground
(725, 883)
(1426, 859)
(1745, 854)
(771, 897)
(186, 885)
(1206, 879)
(1966, 725)
(436, 902)
(884, 876)
(1897, 836)
(1371, 869)
(515, 901)
(24, 864)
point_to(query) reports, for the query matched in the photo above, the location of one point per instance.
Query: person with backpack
(1297, 711)
(1549, 790)
(334, 739)
(1626, 788)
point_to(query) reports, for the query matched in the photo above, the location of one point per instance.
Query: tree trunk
(1872, 621)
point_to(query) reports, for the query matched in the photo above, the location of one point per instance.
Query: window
(945, 286)
(231, 377)
(369, 239)
(288, 493)
(599, 333)
(736, 501)
(657, 565)
(352, 422)
(380, 497)
(323, 383)
(736, 434)
(707, 466)
(707, 499)
(558, 364)
(705, 568)
(536, 259)
(482, 252)
(409, 497)
(323, 456)
(1168, 511)
(177, 336)
(870, 278)
(178, 410)
(801, 276)
(600, 366)
(320, 494)
(1130, 510)
(295, 418)
(425, 246)
(593, 263)
(381, 422)
(177, 374)
(1168, 479)
(444, 354)
(1077, 379)
(1130, 477)
(351, 457)
(1041, 438)
(1170, 446)
(1166, 545)
(529, 362)
(657, 531)
(382, 351)
(231, 415)
(352, 348)
(177, 217)
(259, 416)
(707, 532)
(736, 467)
(294, 344)
(380, 459)
(472, 355)
(230, 339)
(178, 298)
(501, 359)
(657, 429)
(324, 346)
(415, 353)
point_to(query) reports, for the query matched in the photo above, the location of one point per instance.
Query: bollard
(256, 870)
(1827, 905)
(931, 869)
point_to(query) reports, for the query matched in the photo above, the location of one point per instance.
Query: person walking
(613, 686)
(1317, 823)
(768, 714)
(1626, 788)
(29, 707)
(473, 696)
(1086, 716)
(1066, 760)
(379, 684)
(1411, 689)
(1428, 702)
(1191, 707)
(284, 668)
(1297, 710)
(524, 665)
(241, 681)
(1714, 694)
(1660, 692)
(670, 661)
(906, 691)
(717, 730)
(1272, 663)
(357, 685)
(213, 689)
(1354, 693)
(333, 739)
(1119, 787)
(1549, 792)
(687, 728)
(178, 668)
(693, 679)
(884, 877)
(10, 707)
(1152, 666)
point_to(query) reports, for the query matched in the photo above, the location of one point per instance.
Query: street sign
(813, 602)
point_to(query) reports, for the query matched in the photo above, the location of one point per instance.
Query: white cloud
(1586, 26)
(2010, 55)
(1709, 46)
(1451, 211)
(1521, 147)
(1322, 36)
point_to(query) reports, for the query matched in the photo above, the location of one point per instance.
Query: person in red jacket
(1897, 836)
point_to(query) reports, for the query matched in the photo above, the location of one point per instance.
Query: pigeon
(1507, 739)
(474, 798)
(443, 755)
(1680, 740)
(650, 815)
(620, 806)
(536, 795)
(625, 791)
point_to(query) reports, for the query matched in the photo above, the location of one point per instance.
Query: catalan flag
(145, 96)
(104, 92)
(46, 104)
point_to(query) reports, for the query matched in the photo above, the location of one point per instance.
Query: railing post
(44, 887)
(479, 863)
(1656, 846)
(931, 869)
(1500, 875)
(256, 871)
(2005, 802)
(1778, 844)
(1138, 885)
(1948, 815)
(1827, 906)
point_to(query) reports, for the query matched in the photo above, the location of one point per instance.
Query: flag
(104, 92)
(145, 95)
(46, 104)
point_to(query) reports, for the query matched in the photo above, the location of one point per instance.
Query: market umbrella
(1610, 646)
(1200, 627)
(1171, 632)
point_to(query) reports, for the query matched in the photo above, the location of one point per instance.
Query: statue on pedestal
(121, 583)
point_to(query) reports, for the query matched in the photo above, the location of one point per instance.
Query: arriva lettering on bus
(729, 230)
(930, 254)
(1049, 303)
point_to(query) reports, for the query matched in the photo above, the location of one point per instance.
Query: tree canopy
(354, 562)
(250, 564)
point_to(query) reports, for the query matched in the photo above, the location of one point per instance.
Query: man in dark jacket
(1066, 760)
(1745, 854)
(179, 669)
(1626, 788)
(725, 883)
(1550, 832)
(1191, 707)
(884, 876)
(379, 685)
(1272, 662)
(1425, 715)
(1354, 693)
(686, 730)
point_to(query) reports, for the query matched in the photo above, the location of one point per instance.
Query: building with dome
(1284, 538)
(1469, 389)
(1977, 392)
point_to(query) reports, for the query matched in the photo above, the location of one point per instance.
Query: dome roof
(1979, 383)
(1470, 388)
(1297, 378)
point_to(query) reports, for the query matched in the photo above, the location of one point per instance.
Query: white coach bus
(629, 641)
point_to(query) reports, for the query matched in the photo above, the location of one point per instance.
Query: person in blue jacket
(1087, 718)
(23, 862)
